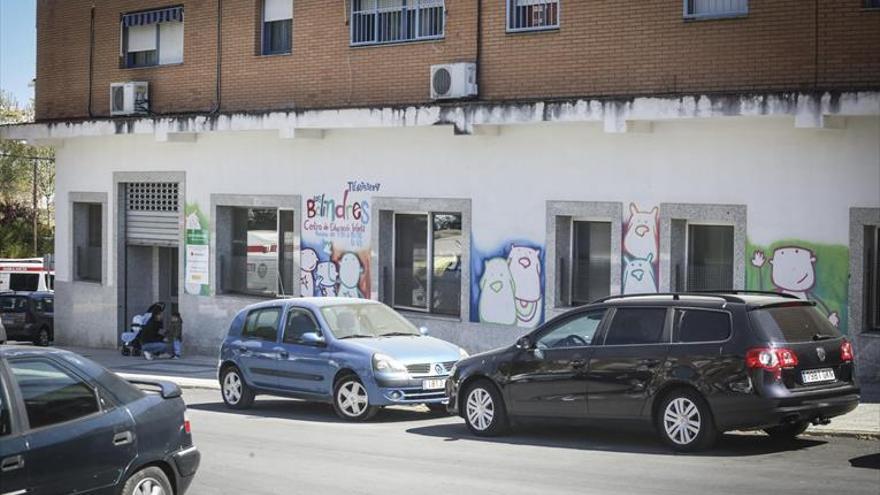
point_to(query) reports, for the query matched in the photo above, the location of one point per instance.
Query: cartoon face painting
(640, 239)
(326, 278)
(525, 269)
(793, 270)
(497, 304)
(638, 276)
(308, 263)
(350, 271)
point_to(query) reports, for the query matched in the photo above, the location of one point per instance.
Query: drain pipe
(219, 57)
(479, 45)
(91, 56)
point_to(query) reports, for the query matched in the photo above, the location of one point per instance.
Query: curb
(857, 434)
(197, 383)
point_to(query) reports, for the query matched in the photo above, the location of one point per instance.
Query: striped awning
(169, 14)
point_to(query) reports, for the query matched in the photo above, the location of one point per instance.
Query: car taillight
(846, 352)
(186, 427)
(771, 359)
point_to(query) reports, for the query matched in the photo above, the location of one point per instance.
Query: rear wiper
(398, 334)
(822, 336)
(356, 336)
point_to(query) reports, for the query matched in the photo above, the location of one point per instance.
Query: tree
(27, 189)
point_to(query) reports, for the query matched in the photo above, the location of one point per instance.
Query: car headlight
(387, 364)
(462, 353)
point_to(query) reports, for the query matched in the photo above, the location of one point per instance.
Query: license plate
(815, 376)
(433, 384)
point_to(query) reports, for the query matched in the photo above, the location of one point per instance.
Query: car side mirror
(313, 338)
(423, 331)
(525, 343)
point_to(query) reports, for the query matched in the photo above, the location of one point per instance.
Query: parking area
(292, 446)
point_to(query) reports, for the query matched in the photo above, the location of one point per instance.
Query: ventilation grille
(153, 196)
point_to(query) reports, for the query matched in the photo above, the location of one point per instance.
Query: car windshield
(13, 304)
(366, 320)
(793, 324)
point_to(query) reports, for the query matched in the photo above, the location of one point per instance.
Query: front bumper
(186, 462)
(408, 391)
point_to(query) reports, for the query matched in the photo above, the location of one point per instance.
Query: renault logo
(439, 369)
(821, 353)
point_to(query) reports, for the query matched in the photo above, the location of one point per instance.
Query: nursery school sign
(335, 257)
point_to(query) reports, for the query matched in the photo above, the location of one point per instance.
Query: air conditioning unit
(129, 98)
(450, 81)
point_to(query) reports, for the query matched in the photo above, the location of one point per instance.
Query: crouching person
(152, 343)
(174, 335)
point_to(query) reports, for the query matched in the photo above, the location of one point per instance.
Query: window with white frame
(277, 26)
(153, 37)
(532, 15)
(871, 289)
(715, 8)
(427, 262)
(392, 21)
(255, 250)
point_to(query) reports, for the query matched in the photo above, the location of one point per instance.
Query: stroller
(130, 340)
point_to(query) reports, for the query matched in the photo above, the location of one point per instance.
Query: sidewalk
(201, 372)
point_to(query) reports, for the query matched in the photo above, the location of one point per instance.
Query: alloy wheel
(352, 398)
(232, 387)
(149, 486)
(480, 409)
(682, 421)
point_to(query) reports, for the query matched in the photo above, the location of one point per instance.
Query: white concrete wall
(796, 183)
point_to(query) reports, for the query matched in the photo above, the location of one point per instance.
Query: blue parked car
(356, 354)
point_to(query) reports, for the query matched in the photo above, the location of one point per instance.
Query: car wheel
(235, 391)
(685, 422)
(484, 410)
(42, 338)
(148, 481)
(788, 431)
(351, 401)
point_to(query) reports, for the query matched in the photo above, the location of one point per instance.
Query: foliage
(18, 161)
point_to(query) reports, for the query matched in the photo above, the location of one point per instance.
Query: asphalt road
(292, 447)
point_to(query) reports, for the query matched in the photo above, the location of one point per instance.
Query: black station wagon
(692, 364)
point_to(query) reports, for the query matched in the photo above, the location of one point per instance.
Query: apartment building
(481, 165)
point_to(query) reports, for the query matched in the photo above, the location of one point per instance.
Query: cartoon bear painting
(326, 278)
(641, 237)
(350, 271)
(794, 273)
(308, 260)
(525, 270)
(497, 304)
(638, 275)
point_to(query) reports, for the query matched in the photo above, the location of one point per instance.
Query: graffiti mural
(641, 244)
(508, 286)
(335, 254)
(817, 272)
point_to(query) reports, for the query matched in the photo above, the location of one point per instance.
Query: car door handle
(12, 463)
(578, 363)
(283, 354)
(124, 438)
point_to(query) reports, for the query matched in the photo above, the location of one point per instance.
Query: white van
(27, 274)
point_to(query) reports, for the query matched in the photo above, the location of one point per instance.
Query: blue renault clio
(356, 354)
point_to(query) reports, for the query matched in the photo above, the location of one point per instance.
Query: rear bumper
(186, 462)
(758, 412)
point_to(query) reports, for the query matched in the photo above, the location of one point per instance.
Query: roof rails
(726, 295)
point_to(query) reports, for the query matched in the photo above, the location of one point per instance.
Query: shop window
(88, 235)
(427, 262)
(872, 278)
(153, 37)
(256, 252)
(709, 258)
(277, 26)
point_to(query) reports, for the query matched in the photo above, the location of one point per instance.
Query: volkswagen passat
(357, 354)
(693, 365)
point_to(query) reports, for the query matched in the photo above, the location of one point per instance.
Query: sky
(18, 48)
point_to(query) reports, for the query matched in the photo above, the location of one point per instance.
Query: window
(260, 251)
(591, 261)
(872, 4)
(715, 8)
(709, 257)
(694, 325)
(532, 15)
(427, 262)
(793, 324)
(88, 241)
(872, 277)
(299, 322)
(277, 26)
(51, 394)
(5, 413)
(262, 324)
(24, 281)
(44, 305)
(575, 332)
(634, 326)
(391, 21)
(153, 37)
